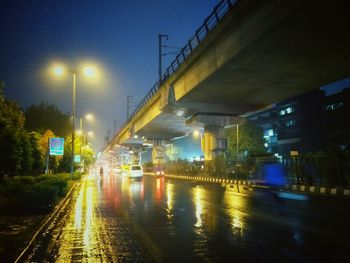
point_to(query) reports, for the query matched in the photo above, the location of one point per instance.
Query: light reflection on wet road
(157, 219)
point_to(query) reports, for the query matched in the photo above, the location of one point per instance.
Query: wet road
(157, 219)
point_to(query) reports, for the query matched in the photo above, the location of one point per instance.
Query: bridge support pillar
(135, 156)
(214, 142)
(214, 145)
(158, 151)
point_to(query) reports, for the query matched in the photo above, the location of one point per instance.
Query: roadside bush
(43, 190)
(57, 183)
(41, 194)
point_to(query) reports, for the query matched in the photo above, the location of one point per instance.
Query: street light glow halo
(196, 133)
(89, 117)
(89, 71)
(58, 70)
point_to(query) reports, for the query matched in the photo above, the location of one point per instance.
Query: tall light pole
(128, 106)
(88, 117)
(73, 121)
(88, 71)
(237, 142)
(160, 38)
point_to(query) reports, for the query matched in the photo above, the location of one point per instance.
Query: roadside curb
(216, 180)
(48, 220)
(319, 190)
(308, 189)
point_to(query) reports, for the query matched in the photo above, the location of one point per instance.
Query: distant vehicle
(116, 169)
(134, 171)
(158, 172)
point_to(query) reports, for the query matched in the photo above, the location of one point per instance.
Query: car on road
(159, 172)
(134, 171)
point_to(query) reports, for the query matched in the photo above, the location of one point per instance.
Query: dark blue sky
(120, 35)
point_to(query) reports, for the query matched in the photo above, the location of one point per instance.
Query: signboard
(56, 146)
(77, 158)
(294, 153)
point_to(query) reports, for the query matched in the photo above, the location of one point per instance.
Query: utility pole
(128, 106)
(107, 136)
(160, 38)
(115, 126)
(237, 143)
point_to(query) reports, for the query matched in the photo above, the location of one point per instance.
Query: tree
(37, 153)
(43, 143)
(10, 150)
(44, 117)
(13, 143)
(173, 152)
(251, 141)
(88, 155)
(27, 158)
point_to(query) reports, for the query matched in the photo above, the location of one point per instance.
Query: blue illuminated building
(309, 122)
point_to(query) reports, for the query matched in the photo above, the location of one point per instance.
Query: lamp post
(73, 121)
(237, 142)
(88, 117)
(88, 71)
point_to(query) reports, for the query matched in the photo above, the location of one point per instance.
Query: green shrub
(59, 183)
(38, 191)
(41, 194)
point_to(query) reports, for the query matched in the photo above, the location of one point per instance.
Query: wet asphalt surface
(164, 220)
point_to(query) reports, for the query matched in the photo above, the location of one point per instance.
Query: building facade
(306, 123)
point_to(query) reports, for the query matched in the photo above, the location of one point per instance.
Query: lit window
(268, 133)
(334, 106)
(286, 111)
(289, 110)
(290, 123)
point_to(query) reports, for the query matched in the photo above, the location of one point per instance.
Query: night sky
(120, 36)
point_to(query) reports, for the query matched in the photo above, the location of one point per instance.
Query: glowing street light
(89, 71)
(58, 71)
(196, 133)
(89, 117)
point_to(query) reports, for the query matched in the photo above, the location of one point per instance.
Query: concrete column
(214, 142)
(158, 155)
(136, 156)
(158, 151)
(214, 145)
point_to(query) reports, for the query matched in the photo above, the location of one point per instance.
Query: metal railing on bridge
(219, 11)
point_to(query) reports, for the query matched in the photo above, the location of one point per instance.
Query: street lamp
(88, 71)
(90, 118)
(196, 133)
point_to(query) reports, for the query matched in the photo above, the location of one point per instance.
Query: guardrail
(219, 11)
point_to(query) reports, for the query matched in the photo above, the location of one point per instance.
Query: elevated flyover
(246, 56)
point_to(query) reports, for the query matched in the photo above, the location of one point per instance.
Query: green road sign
(77, 158)
(56, 146)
